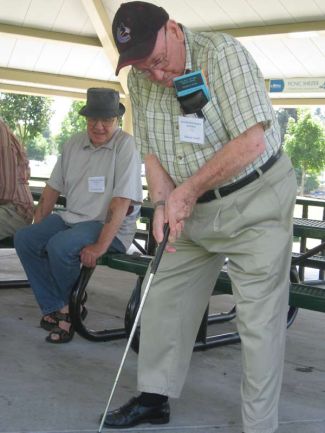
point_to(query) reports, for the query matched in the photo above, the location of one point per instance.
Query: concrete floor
(63, 389)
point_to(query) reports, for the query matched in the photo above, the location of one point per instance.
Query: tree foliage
(72, 123)
(319, 113)
(26, 115)
(305, 144)
(283, 115)
(38, 148)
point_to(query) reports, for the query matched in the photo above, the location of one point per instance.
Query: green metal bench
(136, 264)
(307, 205)
(304, 227)
(302, 295)
(306, 295)
(309, 295)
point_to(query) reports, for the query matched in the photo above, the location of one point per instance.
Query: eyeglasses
(107, 121)
(157, 64)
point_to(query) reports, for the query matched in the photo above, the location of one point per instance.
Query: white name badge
(96, 184)
(191, 129)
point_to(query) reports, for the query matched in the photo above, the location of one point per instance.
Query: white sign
(295, 85)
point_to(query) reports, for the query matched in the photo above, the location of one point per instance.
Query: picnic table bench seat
(309, 228)
(308, 295)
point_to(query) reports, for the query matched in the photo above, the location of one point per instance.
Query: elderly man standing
(16, 202)
(99, 173)
(216, 173)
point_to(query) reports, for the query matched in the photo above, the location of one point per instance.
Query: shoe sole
(159, 421)
(164, 420)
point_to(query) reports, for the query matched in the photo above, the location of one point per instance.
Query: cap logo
(123, 34)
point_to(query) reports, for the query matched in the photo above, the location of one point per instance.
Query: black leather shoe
(134, 413)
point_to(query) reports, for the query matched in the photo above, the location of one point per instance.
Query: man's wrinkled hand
(179, 207)
(90, 254)
(158, 228)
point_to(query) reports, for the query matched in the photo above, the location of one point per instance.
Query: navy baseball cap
(135, 28)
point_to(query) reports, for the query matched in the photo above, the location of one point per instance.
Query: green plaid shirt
(239, 100)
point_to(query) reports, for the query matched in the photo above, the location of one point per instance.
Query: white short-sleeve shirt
(117, 167)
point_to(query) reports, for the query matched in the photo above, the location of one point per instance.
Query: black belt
(228, 189)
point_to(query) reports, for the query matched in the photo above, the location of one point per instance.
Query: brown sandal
(48, 325)
(61, 335)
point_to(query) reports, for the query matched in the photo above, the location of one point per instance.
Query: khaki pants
(253, 228)
(10, 220)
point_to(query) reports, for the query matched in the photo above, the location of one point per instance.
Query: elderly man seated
(99, 173)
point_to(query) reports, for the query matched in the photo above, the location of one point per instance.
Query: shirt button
(179, 157)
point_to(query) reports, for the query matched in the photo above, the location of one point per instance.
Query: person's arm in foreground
(226, 163)
(46, 203)
(116, 213)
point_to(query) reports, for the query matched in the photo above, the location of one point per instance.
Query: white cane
(154, 265)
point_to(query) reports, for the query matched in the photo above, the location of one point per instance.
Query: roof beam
(40, 91)
(274, 29)
(102, 23)
(294, 102)
(30, 32)
(54, 81)
(44, 84)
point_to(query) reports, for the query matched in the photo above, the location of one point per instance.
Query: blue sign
(276, 85)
